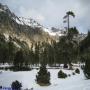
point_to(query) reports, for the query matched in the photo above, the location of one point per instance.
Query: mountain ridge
(17, 27)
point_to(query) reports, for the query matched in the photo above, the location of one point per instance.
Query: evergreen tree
(77, 71)
(19, 59)
(16, 85)
(73, 32)
(85, 52)
(67, 18)
(61, 74)
(43, 77)
(50, 55)
(87, 68)
(44, 57)
(37, 51)
(12, 51)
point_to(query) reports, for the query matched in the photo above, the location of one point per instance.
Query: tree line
(64, 51)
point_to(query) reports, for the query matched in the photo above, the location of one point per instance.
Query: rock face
(22, 29)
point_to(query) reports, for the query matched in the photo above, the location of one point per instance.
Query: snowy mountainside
(28, 21)
(31, 22)
(23, 29)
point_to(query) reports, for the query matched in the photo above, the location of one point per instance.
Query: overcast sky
(50, 12)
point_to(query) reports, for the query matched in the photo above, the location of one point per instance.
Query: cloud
(40, 18)
(85, 2)
(50, 12)
(84, 15)
(31, 13)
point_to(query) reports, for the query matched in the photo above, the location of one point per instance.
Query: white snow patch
(17, 45)
(5, 65)
(19, 22)
(1, 10)
(6, 36)
(52, 33)
(28, 21)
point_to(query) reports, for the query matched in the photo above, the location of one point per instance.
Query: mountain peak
(22, 29)
(4, 7)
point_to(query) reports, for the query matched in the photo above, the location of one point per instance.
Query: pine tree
(37, 45)
(87, 68)
(43, 77)
(16, 85)
(77, 71)
(11, 51)
(19, 60)
(61, 74)
(85, 52)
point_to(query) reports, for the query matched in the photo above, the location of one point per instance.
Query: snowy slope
(33, 23)
(28, 22)
(76, 82)
(57, 33)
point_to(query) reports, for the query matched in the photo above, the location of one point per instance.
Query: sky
(50, 13)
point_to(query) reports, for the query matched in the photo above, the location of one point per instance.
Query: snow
(47, 30)
(1, 10)
(28, 21)
(52, 33)
(27, 78)
(33, 23)
(5, 65)
(6, 36)
(19, 22)
(17, 45)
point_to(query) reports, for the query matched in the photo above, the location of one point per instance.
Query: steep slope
(22, 29)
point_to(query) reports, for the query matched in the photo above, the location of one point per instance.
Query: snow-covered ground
(27, 78)
(5, 65)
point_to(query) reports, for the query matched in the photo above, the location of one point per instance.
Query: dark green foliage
(43, 77)
(87, 68)
(82, 67)
(69, 75)
(16, 85)
(73, 32)
(85, 53)
(19, 59)
(53, 54)
(7, 50)
(20, 62)
(61, 74)
(16, 68)
(70, 13)
(12, 51)
(67, 18)
(67, 49)
(37, 51)
(65, 66)
(85, 44)
(0, 87)
(73, 73)
(77, 71)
